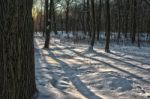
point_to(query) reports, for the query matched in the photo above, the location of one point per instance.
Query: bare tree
(48, 22)
(47, 25)
(107, 26)
(68, 2)
(93, 24)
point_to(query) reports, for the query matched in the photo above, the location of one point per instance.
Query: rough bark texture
(17, 80)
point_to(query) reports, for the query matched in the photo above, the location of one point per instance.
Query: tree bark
(93, 24)
(88, 19)
(134, 21)
(67, 15)
(54, 18)
(17, 80)
(47, 39)
(107, 26)
(119, 21)
(99, 19)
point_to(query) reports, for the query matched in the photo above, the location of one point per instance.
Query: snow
(70, 71)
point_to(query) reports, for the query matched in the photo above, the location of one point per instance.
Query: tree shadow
(136, 55)
(111, 80)
(70, 73)
(57, 49)
(135, 76)
(129, 58)
(119, 60)
(47, 75)
(112, 66)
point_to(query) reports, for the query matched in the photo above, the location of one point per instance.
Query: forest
(125, 21)
(75, 49)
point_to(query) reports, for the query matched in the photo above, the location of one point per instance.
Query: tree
(68, 2)
(76, 15)
(99, 18)
(107, 26)
(54, 17)
(88, 18)
(17, 80)
(134, 20)
(93, 25)
(47, 39)
(119, 20)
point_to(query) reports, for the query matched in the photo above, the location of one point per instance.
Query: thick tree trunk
(17, 80)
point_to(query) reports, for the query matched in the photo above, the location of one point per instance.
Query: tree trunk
(67, 15)
(99, 19)
(134, 21)
(107, 26)
(54, 18)
(93, 24)
(17, 80)
(126, 18)
(47, 39)
(88, 18)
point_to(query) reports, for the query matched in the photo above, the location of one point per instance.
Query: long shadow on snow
(112, 66)
(130, 58)
(136, 55)
(81, 87)
(128, 64)
(106, 56)
(77, 68)
(145, 63)
(50, 71)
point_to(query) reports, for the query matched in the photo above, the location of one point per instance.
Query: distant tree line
(116, 19)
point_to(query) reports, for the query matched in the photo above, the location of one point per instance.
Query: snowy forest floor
(70, 71)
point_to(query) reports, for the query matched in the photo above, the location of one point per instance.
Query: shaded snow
(69, 71)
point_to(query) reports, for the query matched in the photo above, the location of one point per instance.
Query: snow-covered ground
(70, 71)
